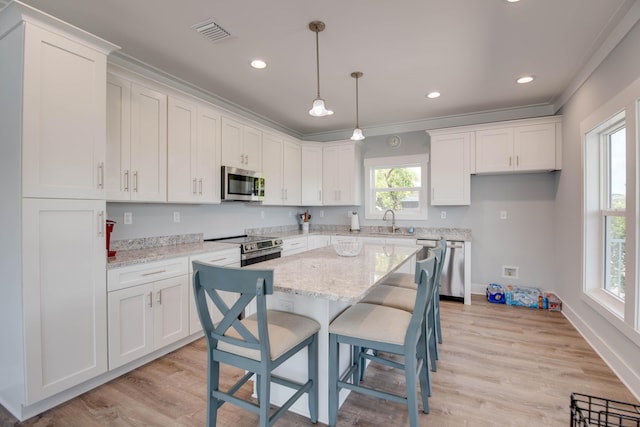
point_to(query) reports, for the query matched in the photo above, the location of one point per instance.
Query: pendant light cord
(357, 97)
(318, 63)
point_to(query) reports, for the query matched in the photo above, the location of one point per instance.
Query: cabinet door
(291, 171)
(148, 145)
(494, 150)
(292, 246)
(252, 147)
(117, 171)
(316, 241)
(311, 175)
(450, 174)
(130, 324)
(330, 175)
(272, 147)
(64, 294)
(182, 183)
(64, 117)
(535, 147)
(207, 157)
(171, 310)
(231, 143)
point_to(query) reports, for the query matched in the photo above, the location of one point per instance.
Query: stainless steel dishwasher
(452, 277)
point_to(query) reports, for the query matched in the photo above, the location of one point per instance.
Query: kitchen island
(320, 284)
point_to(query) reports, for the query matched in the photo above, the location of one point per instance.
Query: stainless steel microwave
(241, 184)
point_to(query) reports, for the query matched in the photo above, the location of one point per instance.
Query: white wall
(620, 350)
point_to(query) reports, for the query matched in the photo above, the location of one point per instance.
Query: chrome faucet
(394, 227)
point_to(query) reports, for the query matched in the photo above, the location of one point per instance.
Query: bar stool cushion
(402, 280)
(372, 322)
(392, 296)
(286, 330)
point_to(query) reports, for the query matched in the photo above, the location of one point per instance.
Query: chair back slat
(423, 298)
(250, 285)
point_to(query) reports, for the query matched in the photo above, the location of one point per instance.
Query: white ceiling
(469, 50)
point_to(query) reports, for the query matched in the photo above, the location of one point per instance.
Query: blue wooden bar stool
(385, 330)
(258, 344)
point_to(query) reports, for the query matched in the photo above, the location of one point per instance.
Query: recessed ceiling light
(513, 1)
(432, 95)
(525, 79)
(258, 63)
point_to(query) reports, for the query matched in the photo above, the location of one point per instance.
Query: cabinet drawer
(222, 257)
(125, 277)
(294, 244)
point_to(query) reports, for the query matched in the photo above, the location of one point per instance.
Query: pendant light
(357, 132)
(318, 109)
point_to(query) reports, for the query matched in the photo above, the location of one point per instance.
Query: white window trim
(624, 315)
(377, 162)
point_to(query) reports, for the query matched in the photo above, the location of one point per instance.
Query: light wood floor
(498, 366)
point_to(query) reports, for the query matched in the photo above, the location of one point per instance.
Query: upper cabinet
(193, 161)
(311, 177)
(450, 168)
(63, 108)
(136, 141)
(521, 146)
(341, 173)
(281, 170)
(241, 145)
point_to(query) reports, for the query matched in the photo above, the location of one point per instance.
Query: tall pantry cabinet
(52, 252)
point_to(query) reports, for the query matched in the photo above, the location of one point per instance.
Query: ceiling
(471, 51)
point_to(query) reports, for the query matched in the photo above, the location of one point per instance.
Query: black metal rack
(597, 411)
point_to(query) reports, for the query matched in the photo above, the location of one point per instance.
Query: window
(605, 212)
(396, 183)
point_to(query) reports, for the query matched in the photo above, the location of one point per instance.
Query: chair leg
(438, 324)
(213, 384)
(312, 358)
(425, 374)
(410, 382)
(334, 391)
(264, 381)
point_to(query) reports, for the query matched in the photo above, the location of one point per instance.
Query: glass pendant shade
(357, 135)
(318, 109)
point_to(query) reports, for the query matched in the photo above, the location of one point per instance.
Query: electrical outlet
(261, 214)
(176, 217)
(509, 272)
(503, 214)
(443, 214)
(290, 214)
(321, 214)
(128, 218)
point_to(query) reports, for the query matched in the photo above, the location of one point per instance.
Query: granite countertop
(322, 273)
(453, 234)
(147, 254)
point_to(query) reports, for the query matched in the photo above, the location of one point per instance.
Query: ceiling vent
(211, 30)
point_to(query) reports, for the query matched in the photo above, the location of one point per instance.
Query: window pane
(401, 177)
(615, 255)
(397, 200)
(617, 169)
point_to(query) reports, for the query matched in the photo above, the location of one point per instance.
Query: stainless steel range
(254, 249)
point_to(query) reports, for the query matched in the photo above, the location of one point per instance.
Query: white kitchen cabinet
(342, 173)
(192, 152)
(52, 154)
(63, 108)
(225, 257)
(311, 175)
(281, 170)
(517, 148)
(136, 141)
(64, 299)
(294, 245)
(148, 308)
(241, 145)
(450, 168)
(316, 241)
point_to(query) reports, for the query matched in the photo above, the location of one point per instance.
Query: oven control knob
(278, 242)
(250, 246)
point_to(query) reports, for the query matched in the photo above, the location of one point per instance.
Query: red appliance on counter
(110, 225)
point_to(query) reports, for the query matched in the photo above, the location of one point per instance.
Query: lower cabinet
(294, 245)
(148, 308)
(318, 241)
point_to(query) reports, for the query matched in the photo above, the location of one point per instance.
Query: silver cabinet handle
(510, 161)
(150, 300)
(200, 186)
(101, 223)
(154, 272)
(433, 193)
(319, 195)
(193, 187)
(135, 181)
(159, 297)
(517, 161)
(126, 180)
(101, 175)
(286, 194)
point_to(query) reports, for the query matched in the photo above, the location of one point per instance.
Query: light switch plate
(128, 218)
